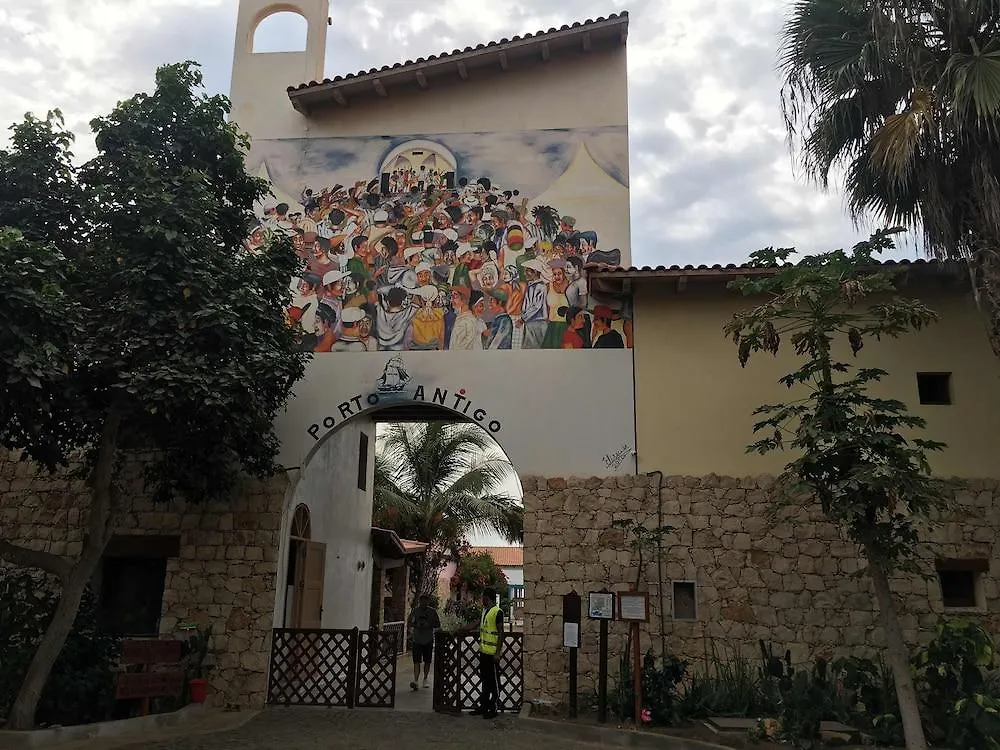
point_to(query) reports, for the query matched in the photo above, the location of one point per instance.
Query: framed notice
(633, 606)
(601, 605)
(571, 634)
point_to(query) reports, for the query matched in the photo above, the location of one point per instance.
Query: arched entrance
(340, 570)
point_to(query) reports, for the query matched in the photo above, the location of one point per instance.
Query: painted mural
(475, 241)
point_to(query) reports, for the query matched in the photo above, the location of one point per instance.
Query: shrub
(81, 687)
(958, 702)
(732, 685)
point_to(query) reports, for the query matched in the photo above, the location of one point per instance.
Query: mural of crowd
(422, 259)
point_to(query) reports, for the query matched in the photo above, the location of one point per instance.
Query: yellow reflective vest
(489, 636)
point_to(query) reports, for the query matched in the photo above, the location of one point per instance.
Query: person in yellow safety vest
(490, 649)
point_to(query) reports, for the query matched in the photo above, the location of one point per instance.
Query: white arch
(418, 145)
(302, 34)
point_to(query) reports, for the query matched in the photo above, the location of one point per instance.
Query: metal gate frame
(332, 668)
(456, 673)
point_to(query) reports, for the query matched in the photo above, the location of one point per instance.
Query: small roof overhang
(388, 545)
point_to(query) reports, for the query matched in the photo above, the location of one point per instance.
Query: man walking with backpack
(423, 621)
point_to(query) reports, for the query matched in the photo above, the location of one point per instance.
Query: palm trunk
(22, 713)
(899, 658)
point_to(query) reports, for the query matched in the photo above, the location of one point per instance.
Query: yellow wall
(694, 403)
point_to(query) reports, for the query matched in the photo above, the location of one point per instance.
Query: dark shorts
(423, 652)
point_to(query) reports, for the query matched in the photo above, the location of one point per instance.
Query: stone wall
(225, 573)
(791, 583)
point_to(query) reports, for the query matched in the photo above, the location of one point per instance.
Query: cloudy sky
(712, 178)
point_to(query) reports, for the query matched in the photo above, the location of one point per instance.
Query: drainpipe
(659, 560)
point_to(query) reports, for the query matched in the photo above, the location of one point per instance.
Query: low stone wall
(225, 574)
(792, 583)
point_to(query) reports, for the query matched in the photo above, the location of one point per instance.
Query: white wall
(341, 516)
(555, 413)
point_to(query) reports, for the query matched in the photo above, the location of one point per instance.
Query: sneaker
(413, 686)
(426, 684)
(476, 712)
(490, 715)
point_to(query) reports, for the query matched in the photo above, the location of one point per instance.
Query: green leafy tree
(132, 318)
(477, 573)
(903, 98)
(853, 457)
(438, 483)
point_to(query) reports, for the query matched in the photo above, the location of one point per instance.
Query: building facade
(465, 224)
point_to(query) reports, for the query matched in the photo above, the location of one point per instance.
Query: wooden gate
(456, 673)
(346, 668)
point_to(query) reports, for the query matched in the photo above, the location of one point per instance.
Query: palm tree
(904, 97)
(437, 483)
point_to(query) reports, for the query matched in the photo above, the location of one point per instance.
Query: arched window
(300, 523)
(285, 31)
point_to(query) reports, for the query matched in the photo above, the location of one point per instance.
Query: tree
(853, 458)
(905, 97)
(132, 318)
(437, 483)
(477, 573)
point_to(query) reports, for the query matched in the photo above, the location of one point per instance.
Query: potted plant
(195, 653)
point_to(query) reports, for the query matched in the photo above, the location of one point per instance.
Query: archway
(281, 30)
(334, 489)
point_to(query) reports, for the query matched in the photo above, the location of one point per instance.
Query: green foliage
(661, 681)
(478, 573)
(904, 100)
(868, 698)
(82, 686)
(807, 697)
(438, 483)
(959, 705)
(136, 297)
(732, 685)
(195, 650)
(855, 459)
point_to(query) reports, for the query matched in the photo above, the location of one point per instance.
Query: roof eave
(423, 72)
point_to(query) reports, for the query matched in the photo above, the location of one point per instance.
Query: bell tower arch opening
(280, 30)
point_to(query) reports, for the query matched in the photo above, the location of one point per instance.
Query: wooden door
(310, 567)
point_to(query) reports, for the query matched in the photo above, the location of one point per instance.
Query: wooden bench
(167, 681)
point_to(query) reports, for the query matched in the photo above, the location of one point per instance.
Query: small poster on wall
(633, 606)
(601, 605)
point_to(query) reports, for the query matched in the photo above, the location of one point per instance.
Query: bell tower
(261, 79)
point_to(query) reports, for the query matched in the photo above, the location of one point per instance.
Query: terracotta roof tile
(661, 270)
(504, 557)
(539, 35)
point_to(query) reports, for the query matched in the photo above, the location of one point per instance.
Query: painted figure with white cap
(350, 335)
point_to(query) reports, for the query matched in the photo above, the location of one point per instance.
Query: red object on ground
(199, 689)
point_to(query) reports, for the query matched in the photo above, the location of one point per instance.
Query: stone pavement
(409, 700)
(366, 729)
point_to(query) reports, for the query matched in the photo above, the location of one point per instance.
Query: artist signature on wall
(616, 459)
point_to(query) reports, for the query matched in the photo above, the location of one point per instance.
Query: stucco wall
(341, 517)
(696, 403)
(224, 575)
(791, 584)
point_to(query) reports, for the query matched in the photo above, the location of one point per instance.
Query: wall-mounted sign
(601, 605)
(571, 635)
(633, 606)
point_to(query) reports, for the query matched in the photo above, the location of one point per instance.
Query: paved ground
(365, 729)
(422, 699)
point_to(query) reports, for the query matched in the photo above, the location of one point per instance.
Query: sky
(712, 175)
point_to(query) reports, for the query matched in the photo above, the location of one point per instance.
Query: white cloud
(711, 175)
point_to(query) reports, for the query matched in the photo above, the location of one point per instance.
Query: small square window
(685, 600)
(934, 388)
(960, 582)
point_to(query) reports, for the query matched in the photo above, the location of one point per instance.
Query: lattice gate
(456, 673)
(346, 668)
